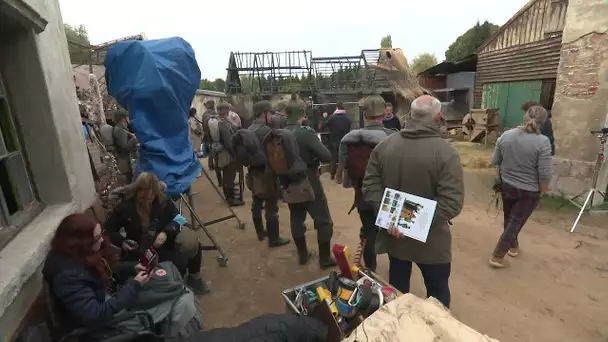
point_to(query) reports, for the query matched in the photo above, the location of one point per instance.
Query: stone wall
(581, 96)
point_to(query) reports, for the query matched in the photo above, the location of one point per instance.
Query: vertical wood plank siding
(527, 47)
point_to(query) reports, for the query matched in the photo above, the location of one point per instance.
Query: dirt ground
(556, 290)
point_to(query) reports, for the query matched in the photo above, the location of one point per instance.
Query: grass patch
(556, 203)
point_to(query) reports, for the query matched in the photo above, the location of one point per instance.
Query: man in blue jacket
(338, 125)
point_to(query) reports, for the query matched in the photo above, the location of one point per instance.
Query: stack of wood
(409, 318)
(479, 123)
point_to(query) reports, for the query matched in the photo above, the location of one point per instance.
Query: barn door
(508, 97)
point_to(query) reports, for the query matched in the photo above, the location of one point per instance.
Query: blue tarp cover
(155, 80)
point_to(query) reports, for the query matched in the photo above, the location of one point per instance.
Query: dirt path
(555, 291)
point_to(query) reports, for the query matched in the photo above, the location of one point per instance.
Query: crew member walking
(523, 157)
(337, 125)
(419, 162)
(264, 184)
(311, 151)
(355, 150)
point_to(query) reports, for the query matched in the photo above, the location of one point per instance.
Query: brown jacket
(417, 161)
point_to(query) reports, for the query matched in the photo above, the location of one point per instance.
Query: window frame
(11, 225)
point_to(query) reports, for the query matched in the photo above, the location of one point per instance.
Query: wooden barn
(519, 63)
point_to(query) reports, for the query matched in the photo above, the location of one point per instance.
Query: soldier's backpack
(248, 149)
(357, 158)
(274, 147)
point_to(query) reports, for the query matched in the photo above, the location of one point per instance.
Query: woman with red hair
(88, 286)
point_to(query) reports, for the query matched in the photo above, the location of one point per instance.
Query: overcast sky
(326, 27)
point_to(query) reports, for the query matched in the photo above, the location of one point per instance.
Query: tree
(77, 37)
(470, 41)
(422, 62)
(386, 42)
(219, 85)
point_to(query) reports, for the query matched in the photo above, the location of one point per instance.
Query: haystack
(409, 318)
(393, 64)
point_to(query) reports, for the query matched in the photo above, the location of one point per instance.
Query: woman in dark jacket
(147, 217)
(88, 286)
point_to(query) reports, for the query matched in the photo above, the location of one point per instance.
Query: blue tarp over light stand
(155, 80)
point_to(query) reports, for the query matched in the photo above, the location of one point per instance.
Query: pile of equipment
(341, 300)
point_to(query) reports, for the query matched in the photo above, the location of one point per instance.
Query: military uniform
(268, 201)
(312, 151)
(226, 161)
(373, 107)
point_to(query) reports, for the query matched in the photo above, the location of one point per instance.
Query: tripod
(196, 223)
(602, 135)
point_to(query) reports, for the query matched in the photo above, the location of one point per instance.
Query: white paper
(411, 214)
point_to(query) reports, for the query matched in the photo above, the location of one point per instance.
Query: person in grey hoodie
(523, 157)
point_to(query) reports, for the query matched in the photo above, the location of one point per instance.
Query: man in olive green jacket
(419, 162)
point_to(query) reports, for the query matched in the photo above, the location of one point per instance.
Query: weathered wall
(53, 138)
(199, 100)
(527, 47)
(581, 94)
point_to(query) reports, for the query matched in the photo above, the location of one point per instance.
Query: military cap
(262, 106)
(373, 106)
(121, 113)
(223, 106)
(295, 108)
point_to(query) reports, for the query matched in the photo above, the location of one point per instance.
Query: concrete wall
(581, 95)
(37, 66)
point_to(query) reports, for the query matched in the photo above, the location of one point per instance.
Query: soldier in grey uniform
(124, 143)
(312, 151)
(279, 118)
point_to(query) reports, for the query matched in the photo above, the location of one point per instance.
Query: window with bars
(16, 191)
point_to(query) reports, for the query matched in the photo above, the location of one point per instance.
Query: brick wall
(581, 62)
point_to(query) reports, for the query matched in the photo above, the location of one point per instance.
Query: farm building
(519, 63)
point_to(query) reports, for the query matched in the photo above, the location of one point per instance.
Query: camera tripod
(602, 135)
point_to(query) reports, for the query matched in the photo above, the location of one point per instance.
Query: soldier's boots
(325, 259)
(259, 229)
(303, 254)
(231, 199)
(274, 239)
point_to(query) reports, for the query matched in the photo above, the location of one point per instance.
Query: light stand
(196, 223)
(602, 135)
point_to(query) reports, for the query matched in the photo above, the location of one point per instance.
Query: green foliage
(386, 42)
(470, 41)
(216, 85)
(422, 62)
(79, 35)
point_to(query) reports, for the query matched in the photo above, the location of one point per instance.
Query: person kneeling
(88, 286)
(147, 216)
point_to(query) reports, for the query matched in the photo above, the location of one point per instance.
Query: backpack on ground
(248, 149)
(357, 158)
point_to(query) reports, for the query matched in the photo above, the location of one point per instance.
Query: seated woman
(80, 273)
(147, 214)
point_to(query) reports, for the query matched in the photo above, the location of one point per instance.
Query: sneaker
(499, 262)
(197, 285)
(513, 252)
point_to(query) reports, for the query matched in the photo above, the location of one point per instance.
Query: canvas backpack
(357, 158)
(275, 152)
(248, 148)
